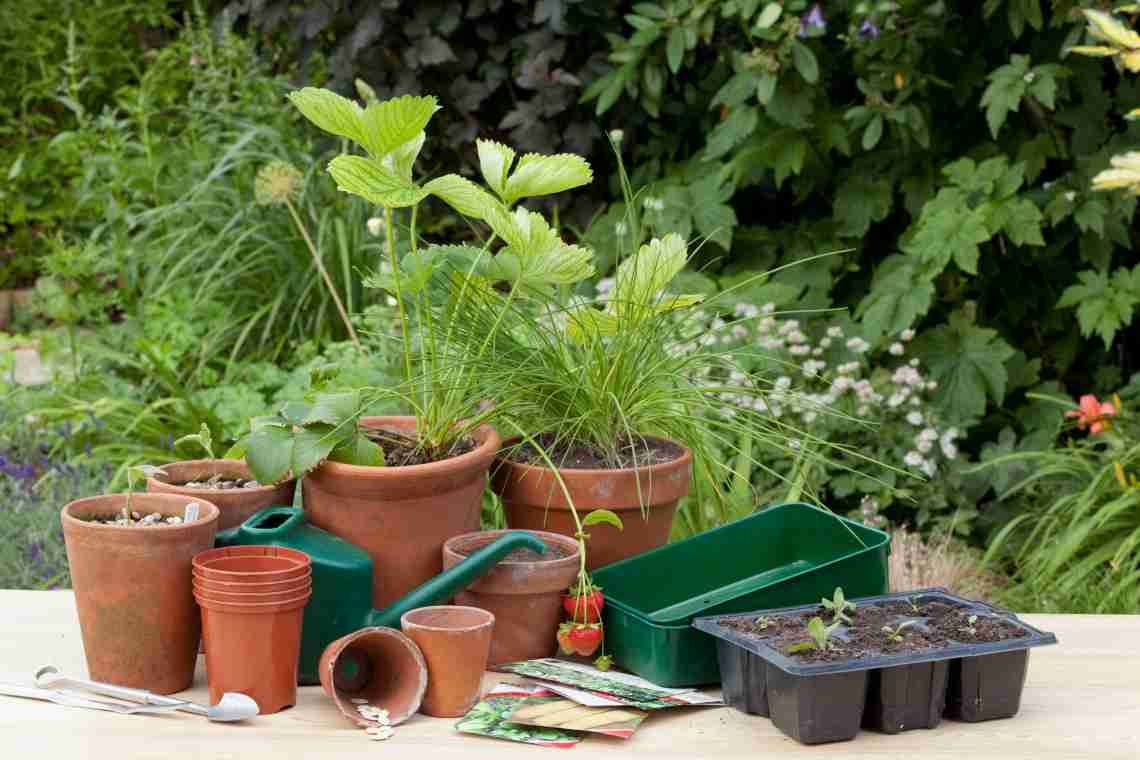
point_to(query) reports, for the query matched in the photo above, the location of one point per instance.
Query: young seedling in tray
(838, 606)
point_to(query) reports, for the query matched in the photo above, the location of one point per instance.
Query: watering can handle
(444, 585)
(283, 521)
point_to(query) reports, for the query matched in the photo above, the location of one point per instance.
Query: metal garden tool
(231, 707)
(70, 699)
(342, 578)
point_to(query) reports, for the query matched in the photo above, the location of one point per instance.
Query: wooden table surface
(1082, 699)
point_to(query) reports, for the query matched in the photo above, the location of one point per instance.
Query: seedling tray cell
(786, 554)
(914, 688)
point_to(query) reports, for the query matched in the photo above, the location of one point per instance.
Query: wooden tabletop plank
(1082, 699)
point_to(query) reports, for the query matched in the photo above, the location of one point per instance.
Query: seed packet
(567, 715)
(605, 688)
(490, 717)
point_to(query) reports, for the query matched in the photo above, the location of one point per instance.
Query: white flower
(1070, 196)
(896, 349)
(810, 416)
(768, 308)
(653, 204)
(914, 362)
(817, 351)
(605, 285)
(950, 451)
(835, 331)
(914, 418)
(907, 335)
(862, 411)
(783, 382)
(913, 459)
(929, 468)
(812, 367)
(923, 445)
(800, 349)
(928, 434)
(789, 326)
(796, 337)
(739, 331)
(858, 345)
(931, 386)
(1029, 76)
(794, 445)
(746, 310)
(946, 443)
(896, 399)
(825, 342)
(375, 226)
(616, 135)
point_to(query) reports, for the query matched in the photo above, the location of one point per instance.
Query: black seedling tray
(815, 702)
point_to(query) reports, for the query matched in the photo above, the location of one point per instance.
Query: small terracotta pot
(254, 649)
(227, 597)
(455, 642)
(235, 504)
(401, 515)
(239, 564)
(524, 596)
(132, 589)
(533, 500)
(271, 587)
(380, 665)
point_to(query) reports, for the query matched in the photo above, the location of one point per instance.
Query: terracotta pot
(533, 500)
(379, 665)
(236, 504)
(271, 587)
(525, 596)
(254, 649)
(401, 515)
(456, 642)
(132, 589)
(241, 564)
(305, 586)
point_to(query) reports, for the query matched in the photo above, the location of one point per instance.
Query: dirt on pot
(402, 450)
(631, 453)
(553, 551)
(135, 519)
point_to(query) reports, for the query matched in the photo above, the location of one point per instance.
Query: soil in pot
(132, 584)
(401, 515)
(228, 483)
(921, 656)
(523, 591)
(642, 483)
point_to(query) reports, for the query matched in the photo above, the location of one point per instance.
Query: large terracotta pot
(533, 500)
(236, 504)
(401, 515)
(133, 589)
(525, 596)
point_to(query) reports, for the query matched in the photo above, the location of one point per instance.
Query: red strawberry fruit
(584, 608)
(585, 639)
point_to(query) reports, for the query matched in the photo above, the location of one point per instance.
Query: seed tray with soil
(891, 663)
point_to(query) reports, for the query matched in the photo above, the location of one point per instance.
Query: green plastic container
(786, 555)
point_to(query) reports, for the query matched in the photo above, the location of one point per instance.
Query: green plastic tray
(785, 555)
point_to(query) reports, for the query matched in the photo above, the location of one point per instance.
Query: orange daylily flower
(1092, 414)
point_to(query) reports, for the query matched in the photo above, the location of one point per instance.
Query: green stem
(324, 273)
(391, 237)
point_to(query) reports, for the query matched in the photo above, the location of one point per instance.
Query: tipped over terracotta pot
(132, 586)
(381, 666)
(645, 498)
(523, 591)
(401, 515)
(235, 504)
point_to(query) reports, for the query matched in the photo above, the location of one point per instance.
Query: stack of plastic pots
(253, 599)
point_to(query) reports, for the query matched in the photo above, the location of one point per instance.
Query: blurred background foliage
(943, 153)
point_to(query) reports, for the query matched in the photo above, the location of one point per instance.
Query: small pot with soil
(889, 663)
(403, 512)
(130, 568)
(523, 591)
(228, 483)
(643, 489)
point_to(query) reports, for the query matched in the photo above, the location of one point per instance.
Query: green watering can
(342, 578)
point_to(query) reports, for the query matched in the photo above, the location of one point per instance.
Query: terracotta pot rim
(283, 553)
(450, 546)
(685, 459)
(211, 513)
(488, 619)
(281, 605)
(485, 435)
(305, 584)
(264, 488)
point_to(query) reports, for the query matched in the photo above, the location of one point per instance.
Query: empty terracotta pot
(645, 498)
(132, 589)
(455, 642)
(523, 592)
(235, 504)
(401, 515)
(255, 564)
(254, 649)
(379, 665)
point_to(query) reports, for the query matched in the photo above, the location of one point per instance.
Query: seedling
(838, 606)
(969, 627)
(763, 622)
(820, 636)
(203, 438)
(913, 602)
(896, 633)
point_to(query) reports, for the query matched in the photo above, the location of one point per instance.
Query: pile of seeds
(382, 723)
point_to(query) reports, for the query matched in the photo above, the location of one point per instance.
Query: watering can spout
(446, 584)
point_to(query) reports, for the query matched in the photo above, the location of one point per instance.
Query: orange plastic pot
(257, 587)
(253, 649)
(401, 515)
(239, 564)
(525, 596)
(227, 597)
(644, 497)
(133, 592)
(455, 642)
(235, 504)
(382, 666)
